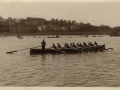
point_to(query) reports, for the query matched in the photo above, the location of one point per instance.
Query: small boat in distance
(86, 36)
(114, 34)
(57, 36)
(99, 36)
(94, 36)
(20, 37)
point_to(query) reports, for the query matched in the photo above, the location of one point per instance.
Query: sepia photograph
(59, 43)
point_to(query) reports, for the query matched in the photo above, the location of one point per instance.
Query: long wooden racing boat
(67, 50)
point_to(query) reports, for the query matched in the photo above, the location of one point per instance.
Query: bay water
(87, 69)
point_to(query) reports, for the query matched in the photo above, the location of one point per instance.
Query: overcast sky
(96, 13)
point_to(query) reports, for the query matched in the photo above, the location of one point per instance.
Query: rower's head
(43, 40)
(95, 43)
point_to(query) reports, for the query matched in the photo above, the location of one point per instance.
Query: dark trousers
(43, 47)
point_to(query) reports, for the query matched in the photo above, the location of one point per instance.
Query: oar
(60, 51)
(81, 48)
(74, 48)
(57, 50)
(110, 48)
(87, 48)
(11, 52)
(106, 49)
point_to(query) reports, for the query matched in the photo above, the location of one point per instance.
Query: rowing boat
(67, 50)
(54, 36)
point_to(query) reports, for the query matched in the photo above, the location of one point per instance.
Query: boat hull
(53, 51)
(69, 50)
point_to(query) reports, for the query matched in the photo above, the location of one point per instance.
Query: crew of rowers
(72, 45)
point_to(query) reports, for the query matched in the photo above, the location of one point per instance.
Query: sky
(95, 13)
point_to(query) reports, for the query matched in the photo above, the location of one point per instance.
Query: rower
(67, 45)
(74, 45)
(80, 45)
(77, 45)
(84, 44)
(59, 45)
(54, 46)
(71, 45)
(91, 44)
(95, 43)
(43, 43)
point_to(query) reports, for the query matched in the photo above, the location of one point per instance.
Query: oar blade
(10, 52)
(105, 49)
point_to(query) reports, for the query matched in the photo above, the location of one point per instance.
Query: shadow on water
(43, 57)
(42, 60)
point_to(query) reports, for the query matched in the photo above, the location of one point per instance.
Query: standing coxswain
(43, 43)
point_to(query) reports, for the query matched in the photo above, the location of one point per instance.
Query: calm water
(61, 70)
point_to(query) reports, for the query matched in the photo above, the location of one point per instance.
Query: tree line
(66, 26)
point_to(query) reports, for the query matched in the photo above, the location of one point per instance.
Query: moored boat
(57, 36)
(20, 37)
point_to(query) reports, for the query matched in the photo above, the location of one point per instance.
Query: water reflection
(43, 60)
(43, 56)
